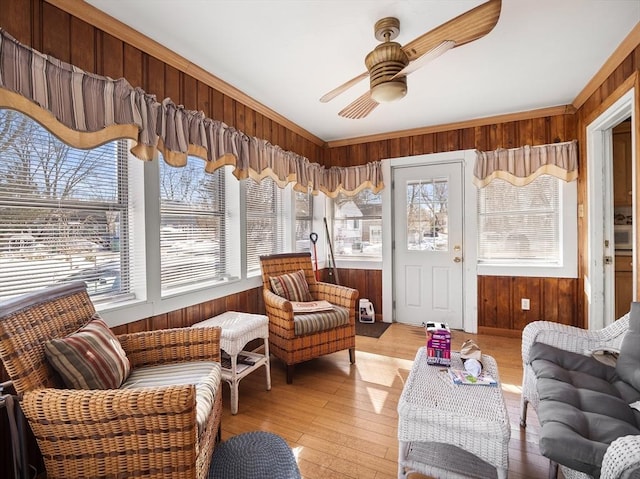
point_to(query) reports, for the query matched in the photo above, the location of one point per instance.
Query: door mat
(371, 330)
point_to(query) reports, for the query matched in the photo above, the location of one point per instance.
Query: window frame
(346, 260)
(568, 238)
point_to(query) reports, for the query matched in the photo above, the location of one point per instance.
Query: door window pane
(427, 215)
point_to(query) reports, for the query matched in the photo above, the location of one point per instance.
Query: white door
(427, 238)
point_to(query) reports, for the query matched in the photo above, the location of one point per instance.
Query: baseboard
(508, 333)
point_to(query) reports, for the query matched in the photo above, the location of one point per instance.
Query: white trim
(600, 212)
(469, 281)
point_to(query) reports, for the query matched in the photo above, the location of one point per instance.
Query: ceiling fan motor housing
(383, 63)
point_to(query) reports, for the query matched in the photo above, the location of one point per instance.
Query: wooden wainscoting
(550, 299)
(367, 281)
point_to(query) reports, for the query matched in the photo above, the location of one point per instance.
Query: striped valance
(520, 166)
(90, 109)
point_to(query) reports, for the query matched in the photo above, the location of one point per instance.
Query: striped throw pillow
(90, 358)
(292, 286)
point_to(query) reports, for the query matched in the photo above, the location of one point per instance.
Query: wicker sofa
(286, 341)
(154, 431)
(588, 429)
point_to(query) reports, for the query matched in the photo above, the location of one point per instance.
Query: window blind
(265, 227)
(63, 212)
(193, 217)
(304, 221)
(520, 223)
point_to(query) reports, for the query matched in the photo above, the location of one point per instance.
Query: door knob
(457, 259)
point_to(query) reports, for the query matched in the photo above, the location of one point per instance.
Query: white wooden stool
(237, 329)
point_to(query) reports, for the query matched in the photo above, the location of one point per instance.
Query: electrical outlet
(524, 303)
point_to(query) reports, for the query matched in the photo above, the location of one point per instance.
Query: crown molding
(489, 120)
(626, 47)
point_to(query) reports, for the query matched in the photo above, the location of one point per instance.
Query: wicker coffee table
(452, 431)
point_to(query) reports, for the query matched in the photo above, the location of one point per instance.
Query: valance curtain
(520, 166)
(98, 109)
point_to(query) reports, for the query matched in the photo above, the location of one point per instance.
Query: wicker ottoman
(254, 455)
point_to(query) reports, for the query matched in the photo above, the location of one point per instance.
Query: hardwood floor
(341, 420)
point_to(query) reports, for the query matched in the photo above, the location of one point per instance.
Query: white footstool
(237, 329)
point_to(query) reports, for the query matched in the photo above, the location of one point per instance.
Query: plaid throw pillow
(292, 286)
(90, 358)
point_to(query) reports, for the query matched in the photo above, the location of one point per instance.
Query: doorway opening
(611, 198)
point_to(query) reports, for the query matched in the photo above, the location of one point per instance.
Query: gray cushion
(584, 406)
(628, 366)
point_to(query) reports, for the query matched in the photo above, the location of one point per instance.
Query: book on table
(310, 306)
(460, 376)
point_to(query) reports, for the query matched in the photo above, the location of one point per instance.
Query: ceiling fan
(389, 63)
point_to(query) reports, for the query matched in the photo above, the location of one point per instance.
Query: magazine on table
(460, 376)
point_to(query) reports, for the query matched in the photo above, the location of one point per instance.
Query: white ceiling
(287, 53)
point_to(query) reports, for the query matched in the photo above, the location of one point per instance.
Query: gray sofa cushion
(584, 406)
(628, 366)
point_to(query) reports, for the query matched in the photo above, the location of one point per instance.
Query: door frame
(599, 280)
(469, 232)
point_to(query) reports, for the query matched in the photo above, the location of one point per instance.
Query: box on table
(438, 344)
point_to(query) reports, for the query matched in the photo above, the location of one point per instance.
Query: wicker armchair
(146, 432)
(283, 341)
(622, 458)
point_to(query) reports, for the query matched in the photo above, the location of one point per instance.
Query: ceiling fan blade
(462, 29)
(426, 58)
(360, 107)
(344, 87)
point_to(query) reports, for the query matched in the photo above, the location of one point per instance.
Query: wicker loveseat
(588, 428)
(287, 340)
(142, 431)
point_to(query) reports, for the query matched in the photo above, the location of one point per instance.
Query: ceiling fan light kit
(383, 64)
(389, 63)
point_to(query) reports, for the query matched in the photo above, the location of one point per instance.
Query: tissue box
(438, 344)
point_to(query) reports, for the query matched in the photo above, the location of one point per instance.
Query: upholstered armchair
(298, 337)
(162, 422)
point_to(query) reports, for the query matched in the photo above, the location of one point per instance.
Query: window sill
(527, 270)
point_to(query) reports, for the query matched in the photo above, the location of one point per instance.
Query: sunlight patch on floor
(511, 388)
(382, 370)
(378, 398)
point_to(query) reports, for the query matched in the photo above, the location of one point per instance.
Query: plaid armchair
(291, 339)
(150, 432)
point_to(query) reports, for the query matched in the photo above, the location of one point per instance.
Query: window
(304, 221)
(63, 212)
(192, 231)
(357, 225)
(527, 226)
(265, 226)
(428, 214)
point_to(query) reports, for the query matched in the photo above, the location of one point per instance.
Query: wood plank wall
(624, 76)
(499, 303)
(501, 312)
